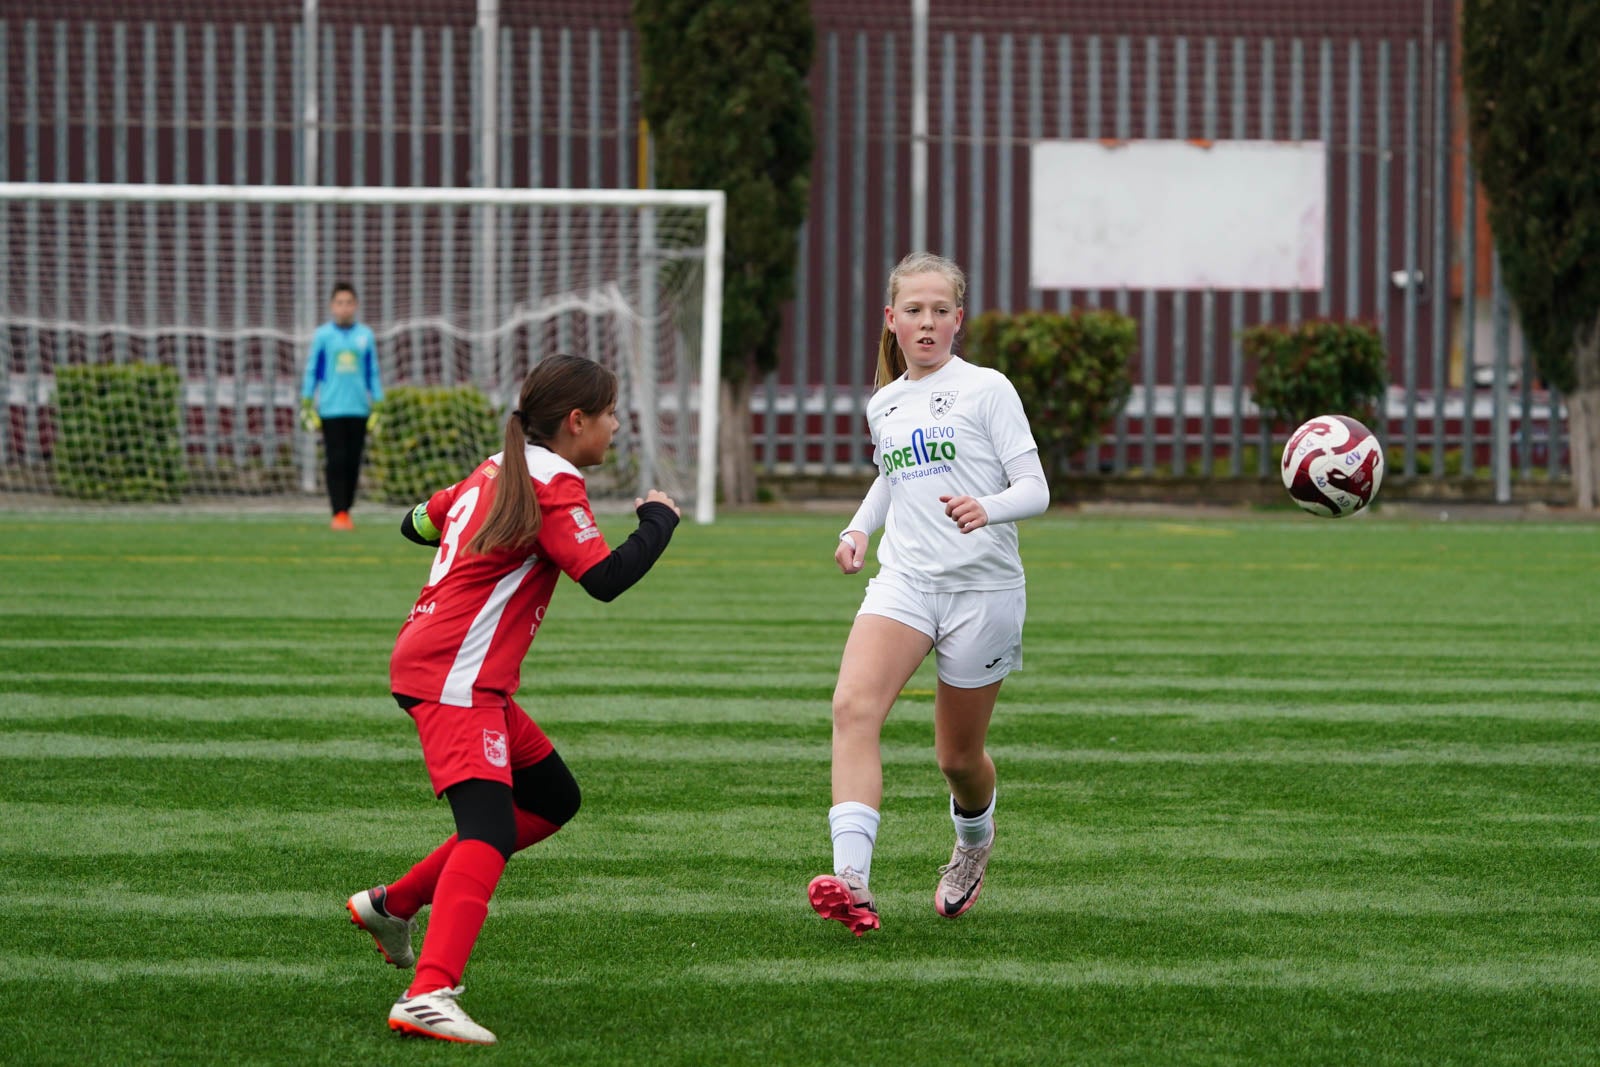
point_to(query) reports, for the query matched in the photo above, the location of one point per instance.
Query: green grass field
(1272, 790)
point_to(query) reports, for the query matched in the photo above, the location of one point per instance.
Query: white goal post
(461, 286)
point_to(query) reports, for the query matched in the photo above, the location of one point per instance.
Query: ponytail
(514, 517)
(891, 361)
(556, 387)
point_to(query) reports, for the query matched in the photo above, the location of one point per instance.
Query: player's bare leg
(880, 656)
(960, 728)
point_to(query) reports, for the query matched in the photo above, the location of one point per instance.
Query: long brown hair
(557, 386)
(892, 361)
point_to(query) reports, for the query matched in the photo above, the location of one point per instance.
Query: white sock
(978, 830)
(855, 831)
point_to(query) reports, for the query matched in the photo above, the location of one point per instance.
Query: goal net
(154, 338)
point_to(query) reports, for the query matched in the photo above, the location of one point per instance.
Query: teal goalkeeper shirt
(342, 371)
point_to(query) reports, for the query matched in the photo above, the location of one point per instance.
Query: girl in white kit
(957, 467)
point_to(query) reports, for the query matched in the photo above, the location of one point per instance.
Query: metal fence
(387, 105)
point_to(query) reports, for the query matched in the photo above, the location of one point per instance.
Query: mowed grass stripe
(1569, 972)
(736, 686)
(18, 745)
(746, 685)
(1089, 818)
(137, 715)
(230, 973)
(1511, 974)
(1019, 892)
(619, 679)
(1048, 730)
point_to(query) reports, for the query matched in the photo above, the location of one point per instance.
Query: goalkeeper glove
(373, 419)
(308, 416)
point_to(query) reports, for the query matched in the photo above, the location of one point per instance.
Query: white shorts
(977, 635)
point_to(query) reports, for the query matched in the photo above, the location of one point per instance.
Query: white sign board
(1177, 215)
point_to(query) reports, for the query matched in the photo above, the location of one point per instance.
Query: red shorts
(488, 741)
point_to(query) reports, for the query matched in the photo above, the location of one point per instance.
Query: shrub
(1071, 371)
(1318, 367)
(428, 438)
(120, 432)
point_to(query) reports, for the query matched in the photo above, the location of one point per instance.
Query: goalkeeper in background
(340, 396)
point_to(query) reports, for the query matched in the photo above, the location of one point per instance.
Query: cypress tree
(1531, 70)
(724, 91)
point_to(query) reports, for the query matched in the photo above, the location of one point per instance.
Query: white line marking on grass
(34, 746)
(139, 711)
(191, 906)
(309, 682)
(1523, 973)
(18, 969)
(73, 830)
(142, 711)
(1385, 713)
(710, 749)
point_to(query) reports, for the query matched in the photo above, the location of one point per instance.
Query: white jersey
(950, 433)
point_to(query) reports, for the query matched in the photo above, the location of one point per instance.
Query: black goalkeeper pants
(343, 440)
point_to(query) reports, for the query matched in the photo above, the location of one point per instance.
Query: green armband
(422, 524)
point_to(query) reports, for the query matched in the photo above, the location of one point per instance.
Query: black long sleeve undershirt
(632, 559)
(627, 563)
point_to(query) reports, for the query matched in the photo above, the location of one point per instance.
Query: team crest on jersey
(495, 749)
(582, 518)
(941, 403)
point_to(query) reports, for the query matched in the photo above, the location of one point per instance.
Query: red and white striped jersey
(473, 622)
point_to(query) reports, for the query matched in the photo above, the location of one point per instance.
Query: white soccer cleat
(437, 1015)
(392, 935)
(961, 880)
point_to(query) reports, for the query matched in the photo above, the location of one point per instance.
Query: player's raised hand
(851, 555)
(965, 512)
(658, 497)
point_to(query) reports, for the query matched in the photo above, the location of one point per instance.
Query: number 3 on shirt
(456, 522)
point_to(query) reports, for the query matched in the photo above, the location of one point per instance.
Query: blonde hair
(892, 361)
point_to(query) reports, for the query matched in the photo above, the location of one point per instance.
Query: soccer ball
(1332, 466)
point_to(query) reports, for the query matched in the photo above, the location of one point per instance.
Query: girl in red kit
(504, 534)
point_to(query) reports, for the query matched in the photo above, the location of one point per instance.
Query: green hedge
(120, 432)
(428, 438)
(1071, 371)
(1319, 367)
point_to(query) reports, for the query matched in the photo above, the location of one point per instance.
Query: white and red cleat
(437, 1015)
(392, 935)
(844, 897)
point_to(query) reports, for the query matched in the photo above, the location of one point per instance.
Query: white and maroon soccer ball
(1332, 466)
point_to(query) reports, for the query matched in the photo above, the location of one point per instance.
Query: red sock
(531, 829)
(460, 905)
(414, 890)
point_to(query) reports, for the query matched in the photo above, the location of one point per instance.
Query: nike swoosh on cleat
(955, 905)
